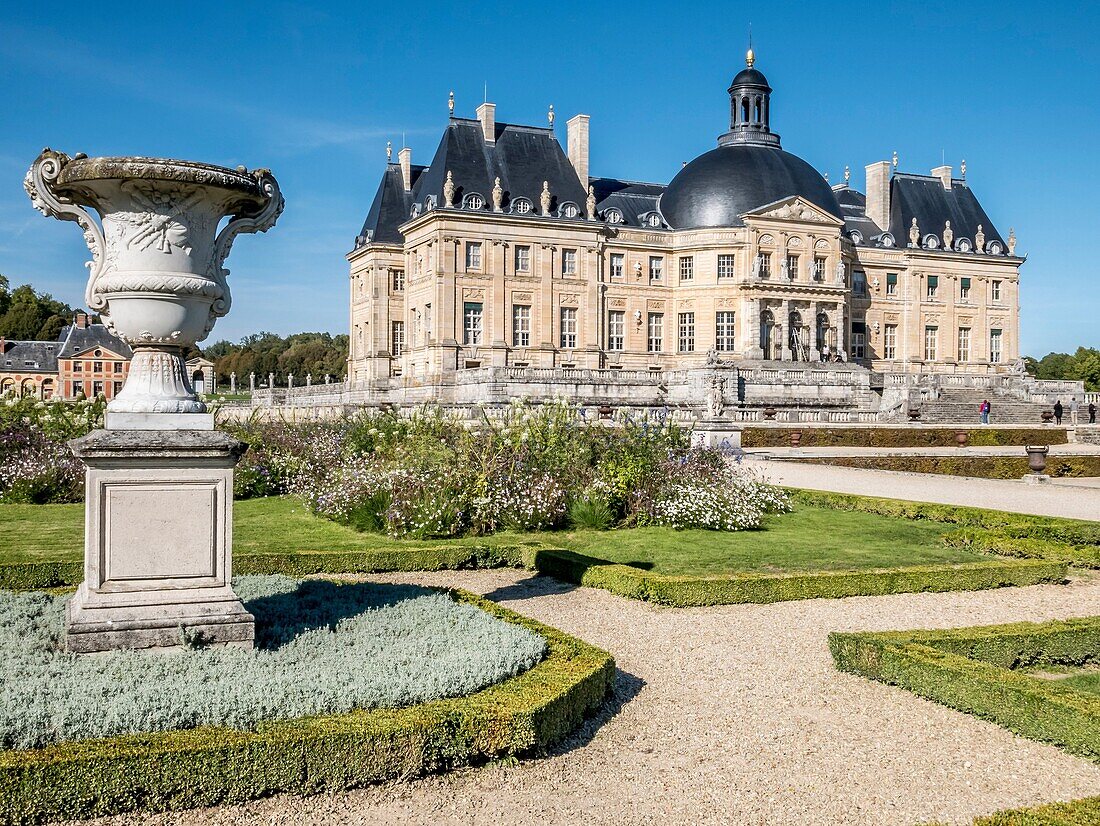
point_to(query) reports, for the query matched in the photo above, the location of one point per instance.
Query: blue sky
(314, 93)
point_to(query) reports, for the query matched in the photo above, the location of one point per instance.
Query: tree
(1084, 365)
(300, 355)
(28, 315)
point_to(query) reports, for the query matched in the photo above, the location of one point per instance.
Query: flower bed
(207, 766)
(885, 436)
(976, 670)
(982, 467)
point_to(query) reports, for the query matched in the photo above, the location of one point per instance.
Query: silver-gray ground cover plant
(321, 647)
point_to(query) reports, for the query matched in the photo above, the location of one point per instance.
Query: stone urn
(914, 413)
(1037, 458)
(605, 411)
(1047, 416)
(769, 413)
(796, 438)
(157, 276)
(961, 438)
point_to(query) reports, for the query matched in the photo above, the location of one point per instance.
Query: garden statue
(233, 383)
(252, 382)
(159, 479)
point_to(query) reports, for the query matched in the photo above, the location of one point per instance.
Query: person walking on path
(1058, 411)
(1092, 412)
(1073, 409)
(984, 409)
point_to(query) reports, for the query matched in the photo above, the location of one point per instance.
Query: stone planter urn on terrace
(156, 277)
(159, 479)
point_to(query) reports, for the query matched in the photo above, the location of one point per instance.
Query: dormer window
(613, 216)
(653, 220)
(474, 201)
(856, 236)
(995, 248)
(569, 210)
(521, 206)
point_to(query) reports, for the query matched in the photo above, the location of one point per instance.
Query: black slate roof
(29, 356)
(853, 209)
(631, 198)
(75, 340)
(924, 198)
(390, 207)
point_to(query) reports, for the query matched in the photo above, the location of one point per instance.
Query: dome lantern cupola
(750, 108)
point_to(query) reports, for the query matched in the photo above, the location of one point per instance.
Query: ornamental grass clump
(321, 648)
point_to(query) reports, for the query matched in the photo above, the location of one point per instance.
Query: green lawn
(807, 539)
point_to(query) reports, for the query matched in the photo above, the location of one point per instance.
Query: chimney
(576, 132)
(81, 321)
(878, 194)
(944, 174)
(404, 158)
(487, 114)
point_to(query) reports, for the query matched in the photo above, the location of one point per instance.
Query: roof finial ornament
(590, 203)
(389, 151)
(914, 234)
(826, 177)
(449, 190)
(894, 160)
(962, 169)
(979, 239)
(550, 116)
(545, 199)
(948, 235)
(498, 195)
(451, 103)
(750, 55)
(847, 175)
(1011, 241)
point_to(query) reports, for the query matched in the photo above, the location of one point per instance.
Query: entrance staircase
(961, 407)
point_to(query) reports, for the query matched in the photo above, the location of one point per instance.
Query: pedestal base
(1037, 479)
(158, 530)
(717, 433)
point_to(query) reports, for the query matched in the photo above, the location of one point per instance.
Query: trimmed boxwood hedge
(982, 467)
(970, 669)
(204, 767)
(1085, 812)
(686, 591)
(1073, 541)
(918, 436)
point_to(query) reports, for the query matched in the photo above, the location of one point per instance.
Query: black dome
(718, 186)
(750, 77)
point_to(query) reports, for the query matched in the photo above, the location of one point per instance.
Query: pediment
(89, 353)
(795, 208)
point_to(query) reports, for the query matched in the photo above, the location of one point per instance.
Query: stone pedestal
(158, 530)
(720, 433)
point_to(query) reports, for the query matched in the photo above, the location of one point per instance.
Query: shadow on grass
(319, 603)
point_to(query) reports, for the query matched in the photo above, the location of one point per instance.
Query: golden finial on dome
(750, 57)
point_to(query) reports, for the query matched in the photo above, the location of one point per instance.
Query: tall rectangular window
(931, 342)
(473, 255)
(521, 325)
(995, 291)
(118, 367)
(726, 265)
(427, 322)
(616, 329)
(97, 366)
(859, 339)
(656, 268)
(569, 327)
(994, 346)
(819, 268)
(687, 333)
(724, 333)
(891, 283)
(964, 344)
(616, 265)
(397, 338)
(765, 265)
(656, 328)
(890, 341)
(523, 258)
(473, 321)
(687, 268)
(859, 283)
(933, 286)
(397, 278)
(964, 289)
(792, 267)
(568, 262)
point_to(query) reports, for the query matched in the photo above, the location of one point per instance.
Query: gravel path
(999, 494)
(733, 714)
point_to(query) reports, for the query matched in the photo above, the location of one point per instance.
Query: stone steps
(961, 407)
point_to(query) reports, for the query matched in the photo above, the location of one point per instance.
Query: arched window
(767, 330)
(745, 109)
(796, 336)
(474, 201)
(569, 210)
(822, 331)
(613, 216)
(653, 220)
(521, 206)
(756, 110)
